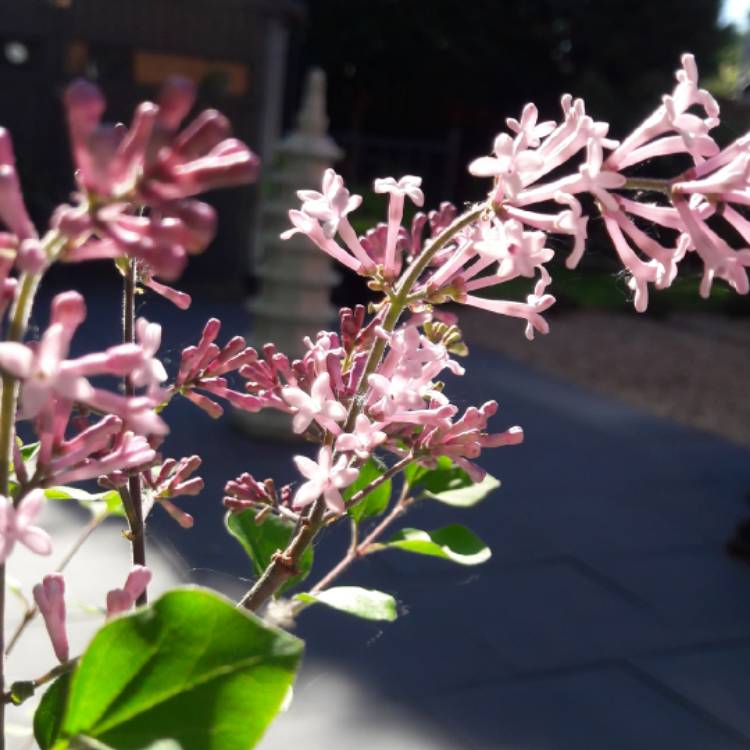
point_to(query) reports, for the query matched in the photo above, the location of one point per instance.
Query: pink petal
(36, 539)
(334, 500)
(306, 466)
(29, 508)
(308, 493)
(16, 359)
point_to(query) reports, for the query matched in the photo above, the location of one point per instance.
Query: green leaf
(84, 742)
(29, 452)
(465, 497)
(449, 483)
(367, 603)
(107, 503)
(375, 502)
(445, 476)
(190, 667)
(262, 541)
(49, 713)
(454, 542)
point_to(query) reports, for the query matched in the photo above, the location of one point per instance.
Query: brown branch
(135, 514)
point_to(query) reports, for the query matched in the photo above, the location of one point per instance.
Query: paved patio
(609, 616)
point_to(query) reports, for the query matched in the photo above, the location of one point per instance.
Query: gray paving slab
(699, 594)
(605, 709)
(548, 615)
(434, 645)
(334, 709)
(716, 679)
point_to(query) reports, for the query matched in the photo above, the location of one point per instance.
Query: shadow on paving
(609, 615)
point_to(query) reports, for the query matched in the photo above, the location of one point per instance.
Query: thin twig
(362, 548)
(135, 516)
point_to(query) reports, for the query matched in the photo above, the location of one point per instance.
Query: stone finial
(312, 119)
(295, 278)
(310, 138)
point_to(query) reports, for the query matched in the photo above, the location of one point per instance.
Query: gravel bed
(692, 368)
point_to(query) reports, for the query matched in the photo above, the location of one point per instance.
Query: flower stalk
(133, 498)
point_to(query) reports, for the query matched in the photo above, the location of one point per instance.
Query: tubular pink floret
(49, 596)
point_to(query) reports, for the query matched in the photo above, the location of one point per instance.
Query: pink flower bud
(49, 596)
(124, 358)
(12, 207)
(176, 297)
(121, 600)
(183, 519)
(31, 257)
(118, 601)
(69, 309)
(211, 408)
(137, 580)
(176, 99)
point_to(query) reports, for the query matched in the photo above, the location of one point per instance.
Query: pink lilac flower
(16, 525)
(127, 453)
(49, 596)
(409, 185)
(319, 405)
(150, 164)
(323, 478)
(363, 440)
(150, 373)
(465, 438)
(531, 310)
(512, 165)
(13, 211)
(332, 205)
(173, 479)
(528, 128)
(204, 365)
(46, 374)
(310, 227)
(246, 492)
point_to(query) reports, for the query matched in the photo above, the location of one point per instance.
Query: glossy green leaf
(454, 542)
(107, 503)
(84, 742)
(49, 713)
(465, 497)
(366, 603)
(262, 541)
(375, 502)
(449, 483)
(190, 667)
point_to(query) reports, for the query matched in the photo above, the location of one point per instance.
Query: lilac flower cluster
(135, 204)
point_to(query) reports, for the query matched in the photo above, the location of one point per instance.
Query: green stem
(54, 673)
(399, 301)
(285, 565)
(648, 183)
